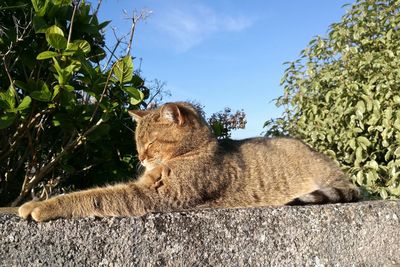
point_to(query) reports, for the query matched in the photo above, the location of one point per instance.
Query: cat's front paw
(26, 209)
(37, 210)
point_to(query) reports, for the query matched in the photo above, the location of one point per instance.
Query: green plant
(222, 123)
(62, 112)
(343, 95)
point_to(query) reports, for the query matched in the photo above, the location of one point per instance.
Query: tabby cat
(187, 167)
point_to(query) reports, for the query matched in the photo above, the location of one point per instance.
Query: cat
(188, 168)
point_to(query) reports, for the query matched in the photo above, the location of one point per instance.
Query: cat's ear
(137, 114)
(172, 113)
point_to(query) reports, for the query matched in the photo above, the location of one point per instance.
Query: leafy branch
(57, 106)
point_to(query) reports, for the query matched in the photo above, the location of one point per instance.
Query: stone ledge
(365, 233)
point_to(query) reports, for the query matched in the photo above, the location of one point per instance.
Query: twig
(102, 95)
(119, 40)
(144, 14)
(75, 4)
(14, 7)
(132, 32)
(50, 166)
(95, 11)
(7, 71)
(158, 88)
(18, 134)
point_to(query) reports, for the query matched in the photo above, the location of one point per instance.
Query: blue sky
(223, 53)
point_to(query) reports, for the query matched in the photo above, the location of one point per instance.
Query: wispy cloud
(187, 28)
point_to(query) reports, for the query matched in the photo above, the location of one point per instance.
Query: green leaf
(330, 153)
(104, 24)
(73, 67)
(46, 55)
(57, 41)
(39, 24)
(55, 30)
(352, 144)
(24, 103)
(56, 123)
(359, 154)
(360, 106)
(57, 66)
(132, 91)
(56, 91)
(136, 96)
(68, 88)
(123, 69)
(137, 81)
(77, 45)
(217, 128)
(383, 193)
(360, 177)
(7, 119)
(373, 165)
(83, 45)
(43, 95)
(55, 37)
(40, 6)
(397, 152)
(7, 99)
(64, 74)
(61, 2)
(363, 140)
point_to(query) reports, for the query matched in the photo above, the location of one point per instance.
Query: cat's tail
(328, 195)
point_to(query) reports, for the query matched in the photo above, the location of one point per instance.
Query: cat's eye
(150, 144)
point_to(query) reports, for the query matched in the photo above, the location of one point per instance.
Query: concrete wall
(361, 234)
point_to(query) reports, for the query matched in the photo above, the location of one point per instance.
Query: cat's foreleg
(120, 200)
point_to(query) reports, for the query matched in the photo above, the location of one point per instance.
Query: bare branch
(7, 71)
(144, 14)
(119, 40)
(72, 145)
(102, 95)
(157, 88)
(76, 5)
(99, 2)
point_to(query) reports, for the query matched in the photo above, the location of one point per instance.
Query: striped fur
(327, 195)
(187, 167)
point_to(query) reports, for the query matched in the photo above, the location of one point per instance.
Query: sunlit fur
(186, 167)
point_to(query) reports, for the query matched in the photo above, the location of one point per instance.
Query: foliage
(62, 114)
(223, 122)
(343, 95)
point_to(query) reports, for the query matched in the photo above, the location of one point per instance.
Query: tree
(343, 95)
(223, 122)
(62, 112)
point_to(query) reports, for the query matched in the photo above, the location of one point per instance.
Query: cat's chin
(149, 166)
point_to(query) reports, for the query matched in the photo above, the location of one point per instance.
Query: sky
(222, 53)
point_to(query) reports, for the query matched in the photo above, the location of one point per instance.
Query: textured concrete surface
(360, 234)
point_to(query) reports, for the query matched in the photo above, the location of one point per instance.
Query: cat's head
(172, 130)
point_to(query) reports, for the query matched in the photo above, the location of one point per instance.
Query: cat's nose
(142, 158)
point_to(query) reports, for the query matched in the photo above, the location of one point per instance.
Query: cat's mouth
(150, 164)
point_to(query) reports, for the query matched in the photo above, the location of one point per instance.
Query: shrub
(62, 113)
(222, 123)
(343, 95)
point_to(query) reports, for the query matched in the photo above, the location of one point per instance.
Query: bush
(222, 123)
(343, 95)
(62, 113)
